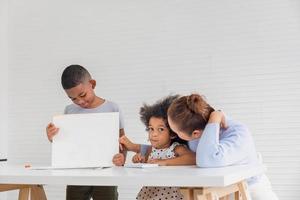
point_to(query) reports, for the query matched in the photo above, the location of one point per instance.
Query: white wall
(243, 55)
(3, 81)
(4, 75)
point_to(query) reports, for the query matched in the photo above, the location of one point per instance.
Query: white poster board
(85, 140)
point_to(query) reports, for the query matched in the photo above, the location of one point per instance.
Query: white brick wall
(3, 81)
(243, 55)
(4, 74)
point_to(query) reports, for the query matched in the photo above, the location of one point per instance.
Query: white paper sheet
(140, 165)
(85, 140)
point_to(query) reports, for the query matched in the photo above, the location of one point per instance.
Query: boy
(79, 86)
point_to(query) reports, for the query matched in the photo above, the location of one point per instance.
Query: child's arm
(184, 156)
(130, 146)
(126, 145)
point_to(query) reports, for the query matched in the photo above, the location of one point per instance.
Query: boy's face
(83, 94)
(159, 134)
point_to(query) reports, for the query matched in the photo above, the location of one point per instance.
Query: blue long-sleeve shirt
(218, 147)
(223, 147)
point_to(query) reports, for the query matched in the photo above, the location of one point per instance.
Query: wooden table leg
(209, 196)
(24, 194)
(187, 193)
(7, 187)
(35, 192)
(38, 193)
(237, 196)
(239, 190)
(244, 190)
(225, 197)
(199, 194)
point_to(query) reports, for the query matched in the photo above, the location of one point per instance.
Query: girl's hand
(218, 117)
(123, 140)
(51, 131)
(158, 161)
(119, 159)
(138, 158)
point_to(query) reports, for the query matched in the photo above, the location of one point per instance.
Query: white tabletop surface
(186, 176)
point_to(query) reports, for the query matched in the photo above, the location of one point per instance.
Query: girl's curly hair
(160, 110)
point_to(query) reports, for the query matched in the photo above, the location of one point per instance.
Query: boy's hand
(119, 159)
(138, 158)
(127, 143)
(218, 117)
(51, 131)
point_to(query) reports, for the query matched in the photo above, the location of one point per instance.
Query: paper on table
(140, 165)
(85, 140)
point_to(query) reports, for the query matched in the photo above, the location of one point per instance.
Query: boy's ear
(196, 134)
(93, 83)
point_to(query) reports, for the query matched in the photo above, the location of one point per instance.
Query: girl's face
(159, 134)
(183, 135)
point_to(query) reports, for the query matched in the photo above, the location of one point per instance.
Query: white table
(199, 183)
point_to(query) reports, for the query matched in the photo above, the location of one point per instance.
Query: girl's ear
(93, 83)
(196, 134)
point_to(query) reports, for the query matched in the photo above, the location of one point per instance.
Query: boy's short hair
(73, 75)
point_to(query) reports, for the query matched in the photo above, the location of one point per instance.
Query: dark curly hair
(160, 110)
